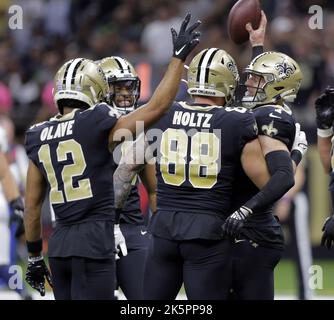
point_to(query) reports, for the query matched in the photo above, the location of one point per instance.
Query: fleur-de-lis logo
(285, 70)
(233, 68)
(269, 130)
(254, 244)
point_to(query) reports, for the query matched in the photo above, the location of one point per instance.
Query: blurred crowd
(57, 30)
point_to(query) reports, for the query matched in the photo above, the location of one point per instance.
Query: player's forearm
(152, 196)
(324, 148)
(145, 116)
(32, 223)
(166, 91)
(123, 177)
(8, 183)
(256, 50)
(282, 179)
(9, 186)
(147, 176)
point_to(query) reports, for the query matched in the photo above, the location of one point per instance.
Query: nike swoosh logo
(143, 232)
(241, 240)
(177, 52)
(273, 116)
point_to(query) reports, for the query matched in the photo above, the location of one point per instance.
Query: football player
(124, 92)
(201, 146)
(273, 81)
(324, 106)
(202, 84)
(69, 155)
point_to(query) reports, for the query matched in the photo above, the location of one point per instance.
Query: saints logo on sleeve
(276, 122)
(269, 130)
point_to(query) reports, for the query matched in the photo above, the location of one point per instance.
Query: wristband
(35, 246)
(118, 212)
(325, 133)
(257, 50)
(35, 259)
(296, 156)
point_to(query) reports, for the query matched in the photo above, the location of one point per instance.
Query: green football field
(286, 277)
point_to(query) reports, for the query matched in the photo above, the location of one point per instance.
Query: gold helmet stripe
(70, 73)
(204, 66)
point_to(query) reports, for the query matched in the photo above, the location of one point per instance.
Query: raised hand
(257, 36)
(186, 40)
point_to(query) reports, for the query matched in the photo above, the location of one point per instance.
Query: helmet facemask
(256, 94)
(124, 84)
(124, 94)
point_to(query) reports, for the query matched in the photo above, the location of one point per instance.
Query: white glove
(120, 244)
(300, 143)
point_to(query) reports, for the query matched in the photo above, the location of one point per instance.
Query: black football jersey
(71, 151)
(199, 147)
(131, 212)
(262, 227)
(276, 122)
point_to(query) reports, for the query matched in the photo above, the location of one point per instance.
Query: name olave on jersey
(192, 119)
(60, 130)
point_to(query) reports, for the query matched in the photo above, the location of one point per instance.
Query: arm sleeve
(256, 51)
(282, 179)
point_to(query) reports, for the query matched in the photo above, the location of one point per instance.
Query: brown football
(242, 12)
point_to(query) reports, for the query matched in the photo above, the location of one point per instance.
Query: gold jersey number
(204, 153)
(77, 168)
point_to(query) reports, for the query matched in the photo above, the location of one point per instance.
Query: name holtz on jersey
(192, 119)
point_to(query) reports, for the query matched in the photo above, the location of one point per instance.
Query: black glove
(17, 208)
(233, 224)
(324, 107)
(328, 235)
(36, 273)
(186, 40)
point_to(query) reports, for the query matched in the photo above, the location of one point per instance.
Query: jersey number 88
(204, 153)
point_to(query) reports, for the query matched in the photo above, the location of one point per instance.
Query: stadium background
(55, 31)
